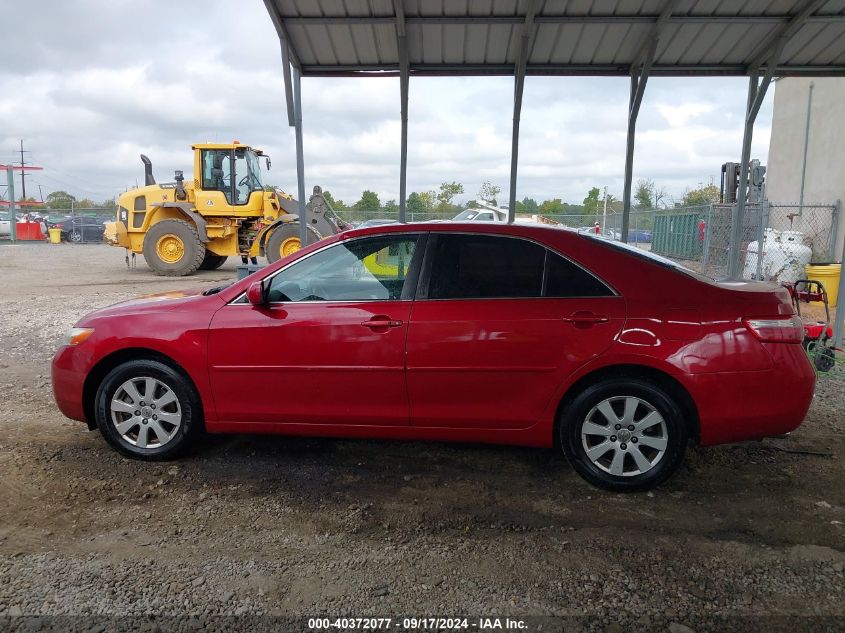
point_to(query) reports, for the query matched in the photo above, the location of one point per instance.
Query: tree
(428, 199)
(448, 190)
(649, 196)
(591, 202)
(31, 206)
(555, 206)
(643, 194)
(709, 194)
(391, 207)
(369, 201)
(527, 205)
(59, 200)
(334, 204)
(415, 203)
(489, 192)
(86, 203)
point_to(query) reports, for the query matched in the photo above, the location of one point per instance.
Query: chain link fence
(699, 237)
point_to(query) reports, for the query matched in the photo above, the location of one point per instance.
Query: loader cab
(229, 180)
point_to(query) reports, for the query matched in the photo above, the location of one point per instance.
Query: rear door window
(500, 267)
(485, 267)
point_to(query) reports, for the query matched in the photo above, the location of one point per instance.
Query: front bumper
(68, 372)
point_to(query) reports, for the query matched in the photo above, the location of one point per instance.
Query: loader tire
(212, 261)
(284, 241)
(173, 248)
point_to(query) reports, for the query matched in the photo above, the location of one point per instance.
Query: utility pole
(23, 174)
(604, 217)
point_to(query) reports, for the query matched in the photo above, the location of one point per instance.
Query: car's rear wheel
(624, 434)
(147, 410)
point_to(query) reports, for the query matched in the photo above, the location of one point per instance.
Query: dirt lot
(744, 537)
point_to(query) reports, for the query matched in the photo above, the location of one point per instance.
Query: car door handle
(381, 322)
(585, 318)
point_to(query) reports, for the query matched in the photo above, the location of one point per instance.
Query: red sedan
(515, 334)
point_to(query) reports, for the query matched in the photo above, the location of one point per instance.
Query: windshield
(469, 214)
(235, 173)
(248, 171)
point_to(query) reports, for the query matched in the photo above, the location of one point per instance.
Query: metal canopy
(570, 37)
(759, 39)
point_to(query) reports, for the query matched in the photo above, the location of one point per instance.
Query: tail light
(777, 329)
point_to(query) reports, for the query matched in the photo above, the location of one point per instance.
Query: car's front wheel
(147, 410)
(624, 434)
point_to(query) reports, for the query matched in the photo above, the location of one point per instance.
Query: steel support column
(300, 162)
(402, 45)
(768, 53)
(638, 83)
(757, 88)
(741, 192)
(289, 58)
(523, 52)
(10, 193)
(640, 69)
(839, 314)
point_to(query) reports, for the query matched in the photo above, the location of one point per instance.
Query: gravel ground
(258, 532)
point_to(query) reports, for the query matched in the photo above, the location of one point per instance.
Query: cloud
(679, 115)
(90, 85)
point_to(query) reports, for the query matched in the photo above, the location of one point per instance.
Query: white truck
(487, 212)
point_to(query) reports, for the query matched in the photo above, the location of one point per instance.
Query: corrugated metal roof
(568, 37)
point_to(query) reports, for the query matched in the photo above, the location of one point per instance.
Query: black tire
(212, 261)
(616, 393)
(273, 245)
(187, 404)
(193, 253)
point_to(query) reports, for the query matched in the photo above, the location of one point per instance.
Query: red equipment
(816, 333)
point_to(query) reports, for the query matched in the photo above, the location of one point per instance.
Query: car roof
(537, 230)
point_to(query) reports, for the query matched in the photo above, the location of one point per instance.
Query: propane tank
(793, 255)
(771, 238)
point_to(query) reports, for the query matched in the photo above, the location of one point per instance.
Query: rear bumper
(755, 404)
(68, 373)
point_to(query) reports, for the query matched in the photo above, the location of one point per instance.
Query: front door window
(367, 269)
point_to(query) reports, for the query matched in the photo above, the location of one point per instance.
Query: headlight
(77, 335)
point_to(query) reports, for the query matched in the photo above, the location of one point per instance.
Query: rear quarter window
(566, 279)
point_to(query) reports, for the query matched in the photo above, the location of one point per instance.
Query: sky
(89, 85)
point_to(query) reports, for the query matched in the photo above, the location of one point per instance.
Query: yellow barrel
(828, 274)
(55, 236)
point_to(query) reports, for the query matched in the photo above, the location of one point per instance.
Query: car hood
(158, 302)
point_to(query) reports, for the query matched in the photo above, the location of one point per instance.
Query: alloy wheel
(624, 436)
(146, 412)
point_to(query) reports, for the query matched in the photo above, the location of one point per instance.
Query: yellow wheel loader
(181, 227)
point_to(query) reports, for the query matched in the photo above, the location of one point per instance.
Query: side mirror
(255, 294)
